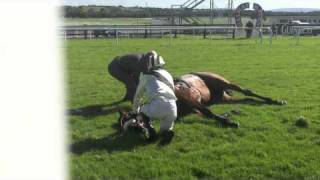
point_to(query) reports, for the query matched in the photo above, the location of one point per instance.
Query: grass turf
(267, 145)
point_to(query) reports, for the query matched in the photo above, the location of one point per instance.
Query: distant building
(284, 24)
(289, 19)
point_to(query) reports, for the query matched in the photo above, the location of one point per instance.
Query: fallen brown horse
(196, 91)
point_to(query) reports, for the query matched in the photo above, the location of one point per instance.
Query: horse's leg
(249, 92)
(205, 111)
(196, 106)
(228, 99)
(190, 99)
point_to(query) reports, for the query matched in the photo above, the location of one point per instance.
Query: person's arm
(139, 93)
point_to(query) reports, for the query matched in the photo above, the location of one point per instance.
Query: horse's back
(200, 87)
(213, 81)
(196, 83)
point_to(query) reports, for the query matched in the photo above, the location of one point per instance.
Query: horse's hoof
(283, 102)
(235, 125)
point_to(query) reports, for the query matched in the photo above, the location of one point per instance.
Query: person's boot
(152, 135)
(166, 137)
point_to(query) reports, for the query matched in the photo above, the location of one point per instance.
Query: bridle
(131, 120)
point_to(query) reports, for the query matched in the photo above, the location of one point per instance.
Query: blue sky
(266, 4)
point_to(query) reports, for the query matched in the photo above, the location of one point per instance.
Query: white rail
(171, 29)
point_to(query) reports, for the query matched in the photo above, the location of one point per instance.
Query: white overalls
(156, 99)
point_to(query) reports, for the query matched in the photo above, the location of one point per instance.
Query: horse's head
(130, 120)
(139, 122)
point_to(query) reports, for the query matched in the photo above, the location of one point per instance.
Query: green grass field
(268, 144)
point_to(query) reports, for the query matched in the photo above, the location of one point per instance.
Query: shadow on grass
(207, 122)
(212, 121)
(98, 109)
(113, 142)
(105, 109)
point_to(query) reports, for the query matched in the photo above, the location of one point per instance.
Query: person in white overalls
(155, 96)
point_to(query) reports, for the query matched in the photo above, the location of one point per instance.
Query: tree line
(145, 12)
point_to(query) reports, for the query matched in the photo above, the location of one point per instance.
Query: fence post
(85, 34)
(233, 34)
(298, 35)
(117, 37)
(271, 36)
(260, 35)
(170, 37)
(150, 32)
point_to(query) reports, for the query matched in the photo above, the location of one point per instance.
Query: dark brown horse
(196, 91)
